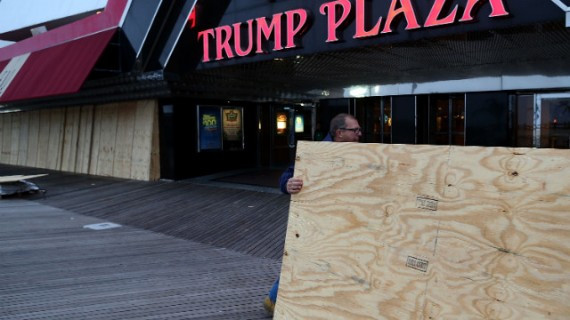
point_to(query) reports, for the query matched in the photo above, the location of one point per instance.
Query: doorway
(543, 121)
(289, 124)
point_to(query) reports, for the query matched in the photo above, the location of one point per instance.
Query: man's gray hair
(339, 121)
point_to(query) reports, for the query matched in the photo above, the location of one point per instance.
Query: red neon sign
(192, 18)
(229, 40)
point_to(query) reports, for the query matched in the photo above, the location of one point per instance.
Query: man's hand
(294, 185)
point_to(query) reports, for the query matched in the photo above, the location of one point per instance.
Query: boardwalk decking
(186, 249)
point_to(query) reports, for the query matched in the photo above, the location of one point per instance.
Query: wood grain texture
(427, 232)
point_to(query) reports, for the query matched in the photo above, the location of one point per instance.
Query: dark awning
(58, 61)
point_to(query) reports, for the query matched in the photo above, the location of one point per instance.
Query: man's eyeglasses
(355, 130)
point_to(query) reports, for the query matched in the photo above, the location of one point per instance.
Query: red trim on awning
(57, 70)
(60, 60)
(110, 18)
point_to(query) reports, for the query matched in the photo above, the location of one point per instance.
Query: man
(343, 128)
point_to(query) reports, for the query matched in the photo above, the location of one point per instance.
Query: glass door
(552, 121)
(447, 120)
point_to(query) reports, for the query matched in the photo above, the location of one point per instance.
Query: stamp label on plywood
(423, 202)
(417, 263)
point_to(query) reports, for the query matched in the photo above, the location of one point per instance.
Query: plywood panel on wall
(6, 150)
(427, 232)
(33, 139)
(124, 142)
(107, 139)
(55, 141)
(118, 139)
(23, 138)
(84, 140)
(15, 136)
(43, 139)
(95, 140)
(146, 115)
(70, 139)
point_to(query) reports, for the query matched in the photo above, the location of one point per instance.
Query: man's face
(350, 132)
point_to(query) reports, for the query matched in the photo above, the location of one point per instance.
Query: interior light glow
(359, 91)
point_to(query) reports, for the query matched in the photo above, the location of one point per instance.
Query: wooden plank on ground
(14, 178)
(124, 141)
(24, 138)
(427, 232)
(70, 139)
(33, 138)
(85, 139)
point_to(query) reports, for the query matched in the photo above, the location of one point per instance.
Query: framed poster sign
(209, 128)
(232, 124)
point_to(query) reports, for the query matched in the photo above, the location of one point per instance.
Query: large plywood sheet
(427, 232)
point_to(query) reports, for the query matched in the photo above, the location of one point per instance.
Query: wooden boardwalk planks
(247, 221)
(54, 268)
(427, 232)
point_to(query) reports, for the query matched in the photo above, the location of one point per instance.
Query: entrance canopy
(312, 50)
(58, 61)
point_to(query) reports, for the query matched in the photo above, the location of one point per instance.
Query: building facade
(186, 88)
